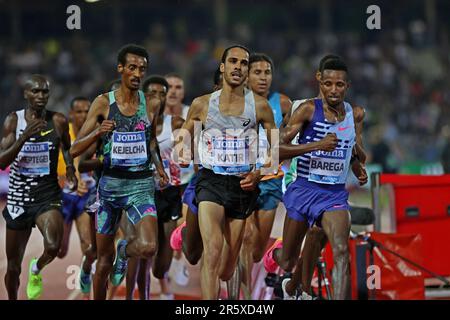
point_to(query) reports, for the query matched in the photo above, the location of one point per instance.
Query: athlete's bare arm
(62, 129)
(153, 105)
(358, 166)
(87, 162)
(299, 118)
(185, 137)
(90, 132)
(358, 115)
(9, 145)
(285, 104)
(264, 116)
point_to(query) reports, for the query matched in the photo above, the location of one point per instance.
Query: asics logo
(245, 123)
(44, 133)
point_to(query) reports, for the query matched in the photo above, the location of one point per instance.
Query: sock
(34, 268)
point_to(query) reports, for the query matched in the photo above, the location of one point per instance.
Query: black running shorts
(226, 191)
(168, 203)
(27, 220)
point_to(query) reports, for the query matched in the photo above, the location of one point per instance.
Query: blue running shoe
(85, 279)
(120, 265)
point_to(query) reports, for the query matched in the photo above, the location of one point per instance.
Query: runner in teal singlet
(129, 147)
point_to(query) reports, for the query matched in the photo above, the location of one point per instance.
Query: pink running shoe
(269, 262)
(176, 240)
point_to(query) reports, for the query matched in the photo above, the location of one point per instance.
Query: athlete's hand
(105, 127)
(359, 170)
(329, 142)
(72, 180)
(34, 127)
(163, 180)
(82, 188)
(250, 181)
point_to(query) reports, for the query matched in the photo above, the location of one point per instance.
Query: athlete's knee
(104, 264)
(146, 249)
(212, 255)
(52, 248)
(247, 239)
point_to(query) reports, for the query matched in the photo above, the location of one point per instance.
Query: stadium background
(400, 73)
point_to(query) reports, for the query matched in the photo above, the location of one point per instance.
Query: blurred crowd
(400, 77)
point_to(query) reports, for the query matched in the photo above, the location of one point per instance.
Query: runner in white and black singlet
(31, 141)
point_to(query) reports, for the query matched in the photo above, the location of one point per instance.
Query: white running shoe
(287, 296)
(305, 296)
(181, 274)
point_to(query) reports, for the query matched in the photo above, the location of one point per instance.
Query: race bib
(15, 211)
(327, 167)
(34, 159)
(230, 155)
(128, 149)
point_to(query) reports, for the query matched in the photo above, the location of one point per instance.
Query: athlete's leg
(105, 258)
(129, 233)
(304, 270)
(82, 223)
(211, 218)
(69, 206)
(255, 241)
(132, 275)
(163, 258)
(246, 257)
(125, 231)
(263, 222)
(293, 233)
(51, 226)
(316, 240)
(65, 239)
(233, 232)
(144, 278)
(336, 225)
(192, 238)
(91, 252)
(146, 242)
(16, 242)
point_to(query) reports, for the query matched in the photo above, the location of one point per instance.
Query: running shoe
(120, 265)
(305, 296)
(181, 273)
(85, 279)
(269, 262)
(176, 238)
(287, 296)
(34, 286)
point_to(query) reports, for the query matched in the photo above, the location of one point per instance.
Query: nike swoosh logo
(343, 128)
(44, 133)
